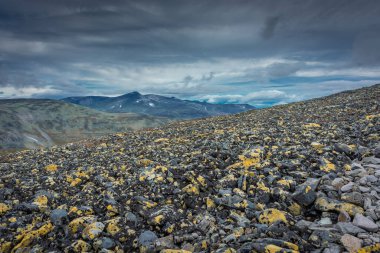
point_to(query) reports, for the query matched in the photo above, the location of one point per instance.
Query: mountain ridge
(157, 105)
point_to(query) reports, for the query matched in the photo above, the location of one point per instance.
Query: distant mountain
(156, 105)
(31, 123)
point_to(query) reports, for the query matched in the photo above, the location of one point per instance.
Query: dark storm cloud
(270, 25)
(174, 46)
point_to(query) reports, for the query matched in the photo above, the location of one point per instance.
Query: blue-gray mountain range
(156, 105)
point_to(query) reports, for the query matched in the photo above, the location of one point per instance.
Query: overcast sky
(258, 52)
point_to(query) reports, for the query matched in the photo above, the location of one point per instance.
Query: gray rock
(107, 243)
(166, 242)
(147, 238)
(332, 248)
(365, 223)
(131, 217)
(58, 216)
(337, 183)
(371, 179)
(376, 152)
(364, 189)
(349, 228)
(230, 238)
(325, 221)
(342, 148)
(303, 224)
(353, 197)
(351, 243)
(371, 159)
(363, 181)
(347, 187)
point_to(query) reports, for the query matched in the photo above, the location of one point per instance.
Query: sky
(258, 52)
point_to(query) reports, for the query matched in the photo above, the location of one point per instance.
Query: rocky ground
(303, 177)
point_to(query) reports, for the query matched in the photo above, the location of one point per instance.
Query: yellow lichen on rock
(202, 180)
(28, 237)
(41, 201)
(327, 166)
(51, 168)
(285, 182)
(112, 227)
(271, 248)
(261, 186)
(4, 208)
(324, 204)
(312, 125)
(159, 140)
(175, 251)
(191, 189)
(317, 146)
(370, 249)
(271, 215)
(295, 209)
(81, 246)
(157, 220)
(93, 230)
(80, 222)
(144, 162)
(5, 247)
(210, 204)
(373, 116)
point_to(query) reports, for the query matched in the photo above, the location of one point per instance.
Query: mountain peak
(133, 94)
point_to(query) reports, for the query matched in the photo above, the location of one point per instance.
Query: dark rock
(305, 193)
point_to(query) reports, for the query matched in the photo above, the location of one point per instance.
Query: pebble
(344, 216)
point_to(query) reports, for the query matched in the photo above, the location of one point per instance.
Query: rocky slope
(156, 105)
(32, 123)
(303, 177)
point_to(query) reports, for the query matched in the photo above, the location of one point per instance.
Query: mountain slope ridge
(31, 123)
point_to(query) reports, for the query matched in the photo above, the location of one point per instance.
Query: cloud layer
(258, 52)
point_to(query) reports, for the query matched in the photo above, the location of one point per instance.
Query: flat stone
(351, 243)
(371, 179)
(303, 224)
(347, 187)
(325, 221)
(365, 223)
(364, 189)
(349, 228)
